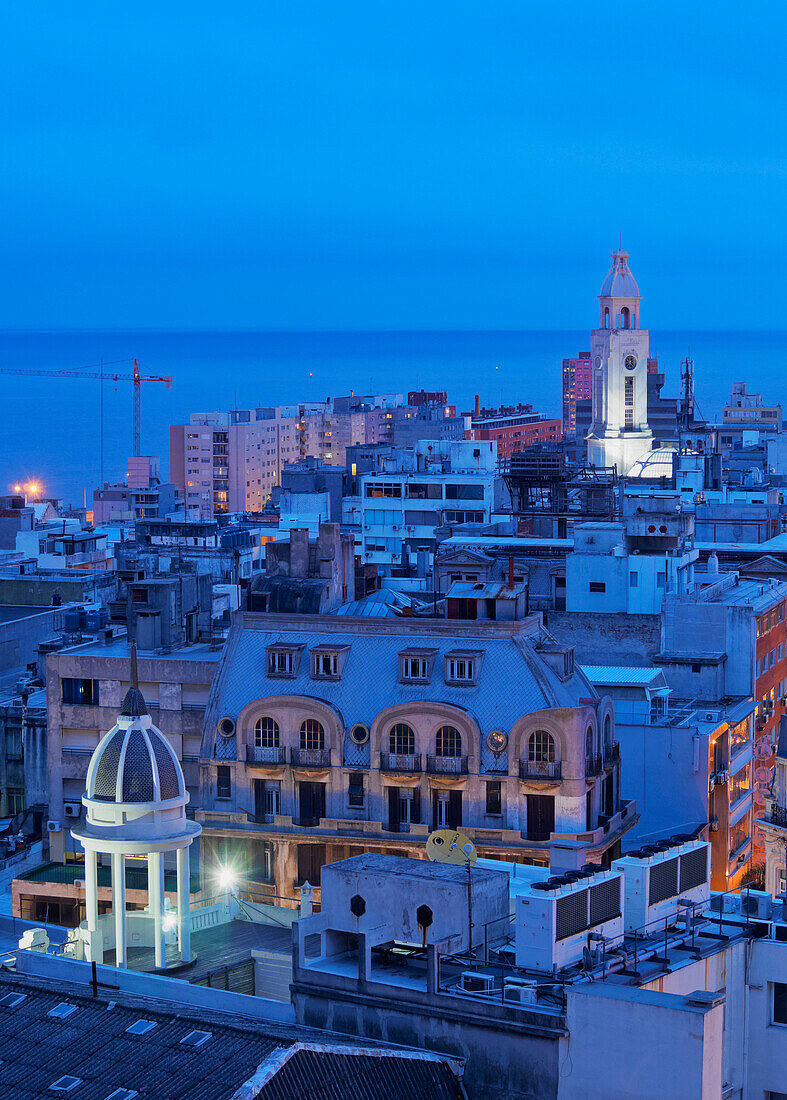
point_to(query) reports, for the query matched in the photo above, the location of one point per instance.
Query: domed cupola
(133, 762)
(620, 297)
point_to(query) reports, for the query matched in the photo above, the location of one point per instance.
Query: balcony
(259, 754)
(593, 764)
(446, 765)
(539, 769)
(778, 815)
(400, 762)
(612, 752)
(310, 758)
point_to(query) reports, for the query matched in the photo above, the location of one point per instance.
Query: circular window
(226, 727)
(630, 362)
(359, 734)
(496, 741)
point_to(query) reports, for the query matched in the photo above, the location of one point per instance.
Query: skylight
(62, 1011)
(196, 1038)
(65, 1084)
(123, 1094)
(11, 1000)
(141, 1027)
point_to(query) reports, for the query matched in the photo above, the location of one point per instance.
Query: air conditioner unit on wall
(53, 826)
(477, 983)
(72, 809)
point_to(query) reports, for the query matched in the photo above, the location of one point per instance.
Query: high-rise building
(620, 433)
(512, 427)
(577, 385)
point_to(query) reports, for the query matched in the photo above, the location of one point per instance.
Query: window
(424, 490)
(326, 664)
(661, 580)
(658, 708)
(597, 586)
(780, 1003)
(541, 747)
(698, 668)
(739, 785)
(355, 792)
(780, 651)
(15, 800)
(758, 671)
(312, 735)
(80, 692)
(460, 669)
(271, 798)
(401, 740)
(223, 782)
(448, 742)
(494, 799)
(464, 492)
(415, 668)
(281, 662)
(383, 489)
(633, 578)
(266, 733)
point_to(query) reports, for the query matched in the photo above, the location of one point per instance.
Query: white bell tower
(619, 348)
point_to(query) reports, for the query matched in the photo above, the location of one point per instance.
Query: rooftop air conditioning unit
(660, 876)
(520, 991)
(555, 917)
(477, 983)
(756, 903)
(53, 826)
(72, 809)
(721, 778)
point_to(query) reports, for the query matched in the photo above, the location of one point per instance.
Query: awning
(4, 823)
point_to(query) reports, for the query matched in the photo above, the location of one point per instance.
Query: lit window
(541, 747)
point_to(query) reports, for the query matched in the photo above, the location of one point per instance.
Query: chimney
(510, 570)
(477, 405)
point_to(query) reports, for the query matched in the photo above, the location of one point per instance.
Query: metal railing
(593, 764)
(77, 752)
(778, 815)
(539, 769)
(310, 758)
(446, 765)
(612, 752)
(400, 762)
(266, 754)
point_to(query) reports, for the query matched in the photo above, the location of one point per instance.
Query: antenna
(134, 672)
(450, 846)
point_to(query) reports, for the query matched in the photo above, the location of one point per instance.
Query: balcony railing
(778, 815)
(612, 752)
(447, 765)
(539, 769)
(264, 754)
(400, 762)
(310, 758)
(593, 764)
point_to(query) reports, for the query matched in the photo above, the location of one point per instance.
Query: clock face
(497, 741)
(630, 362)
(598, 360)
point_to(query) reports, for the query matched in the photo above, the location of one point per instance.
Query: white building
(620, 433)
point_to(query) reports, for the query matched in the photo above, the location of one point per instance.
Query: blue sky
(397, 165)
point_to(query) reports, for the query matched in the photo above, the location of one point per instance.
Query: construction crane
(135, 377)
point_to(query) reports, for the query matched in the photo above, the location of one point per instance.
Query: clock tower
(619, 349)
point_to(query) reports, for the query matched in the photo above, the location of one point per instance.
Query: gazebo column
(91, 903)
(119, 906)
(184, 902)
(156, 897)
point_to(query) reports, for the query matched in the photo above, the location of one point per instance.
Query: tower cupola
(620, 296)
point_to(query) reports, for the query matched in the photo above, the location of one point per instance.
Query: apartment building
(512, 427)
(577, 386)
(416, 490)
(325, 736)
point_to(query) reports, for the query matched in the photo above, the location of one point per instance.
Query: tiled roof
(512, 679)
(629, 675)
(93, 1045)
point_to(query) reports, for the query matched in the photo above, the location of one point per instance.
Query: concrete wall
(627, 1042)
(766, 1066)
(665, 768)
(619, 639)
(20, 636)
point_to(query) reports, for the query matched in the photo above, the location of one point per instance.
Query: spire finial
(134, 705)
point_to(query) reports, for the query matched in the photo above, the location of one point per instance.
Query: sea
(59, 434)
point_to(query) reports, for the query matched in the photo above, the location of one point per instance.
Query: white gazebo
(136, 806)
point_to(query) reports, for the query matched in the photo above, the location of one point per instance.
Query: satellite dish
(449, 846)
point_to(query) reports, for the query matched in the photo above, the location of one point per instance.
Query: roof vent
(141, 1027)
(65, 1084)
(11, 1000)
(62, 1012)
(196, 1038)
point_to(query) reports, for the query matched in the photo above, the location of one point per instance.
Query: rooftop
(629, 676)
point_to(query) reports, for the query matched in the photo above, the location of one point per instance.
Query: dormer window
(415, 665)
(461, 668)
(283, 660)
(328, 661)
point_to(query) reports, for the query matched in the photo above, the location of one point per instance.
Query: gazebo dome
(134, 763)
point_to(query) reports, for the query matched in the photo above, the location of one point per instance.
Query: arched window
(608, 732)
(606, 318)
(401, 740)
(312, 735)
(448, 742)
(541, 747)
(625, 317)
(266, 733)
(589, 742)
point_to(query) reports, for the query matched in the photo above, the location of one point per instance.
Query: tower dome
(619, 283)
(133, 763)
